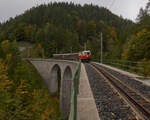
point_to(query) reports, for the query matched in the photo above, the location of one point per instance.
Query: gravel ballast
(108, 102)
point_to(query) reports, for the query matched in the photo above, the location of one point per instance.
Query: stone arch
(66, 90)
(55, 81)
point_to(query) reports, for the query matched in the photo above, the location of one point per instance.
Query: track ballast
(113, 98)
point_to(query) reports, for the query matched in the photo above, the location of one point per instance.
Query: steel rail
(130, 94)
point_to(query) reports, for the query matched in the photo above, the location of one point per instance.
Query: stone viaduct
(57, 75)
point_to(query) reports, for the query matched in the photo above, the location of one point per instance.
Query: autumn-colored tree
(79, 24)
(86, 5)
(139, 47)
(113, 34)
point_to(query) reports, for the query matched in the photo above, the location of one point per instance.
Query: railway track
(137, 102)
(130, 81)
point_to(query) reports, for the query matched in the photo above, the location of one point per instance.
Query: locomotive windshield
(87, 53)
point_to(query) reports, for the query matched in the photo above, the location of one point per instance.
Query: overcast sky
(127, 8)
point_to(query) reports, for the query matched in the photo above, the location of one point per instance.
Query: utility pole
(43, 53)
(56, 50)
(28, 51)
(71, 49)
(84, 46)
(101, 47)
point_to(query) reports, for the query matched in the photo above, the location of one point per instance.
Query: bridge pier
(66, 91)
(53, 84)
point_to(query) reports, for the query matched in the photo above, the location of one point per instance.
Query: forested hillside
(66, 26)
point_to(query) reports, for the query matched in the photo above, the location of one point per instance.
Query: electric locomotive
(85, 56)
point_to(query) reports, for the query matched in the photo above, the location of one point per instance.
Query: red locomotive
(85, 56)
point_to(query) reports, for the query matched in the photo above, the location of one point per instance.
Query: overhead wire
(112, 3)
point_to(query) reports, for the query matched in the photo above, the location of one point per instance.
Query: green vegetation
(23, 94)
(137, 47)
(33, 52)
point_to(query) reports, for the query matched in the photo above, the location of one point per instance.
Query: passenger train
(84, 56)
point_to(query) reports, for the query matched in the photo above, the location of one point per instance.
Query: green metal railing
(75, 92)
(130, 66)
